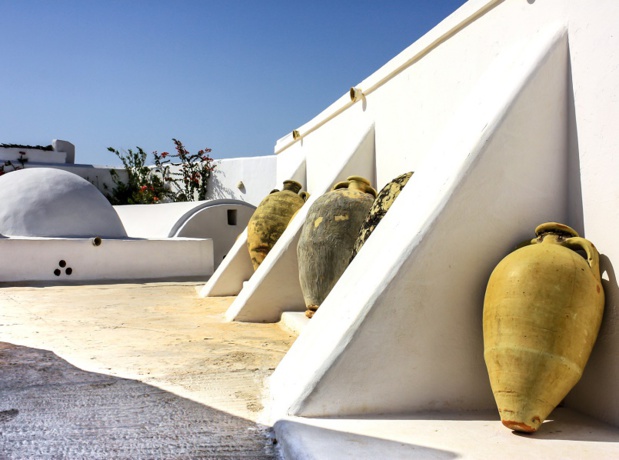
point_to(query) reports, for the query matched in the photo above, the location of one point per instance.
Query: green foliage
(184, 180)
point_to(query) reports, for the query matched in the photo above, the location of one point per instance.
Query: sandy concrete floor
(159, 339)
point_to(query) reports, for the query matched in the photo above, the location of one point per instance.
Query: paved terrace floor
(131, 371)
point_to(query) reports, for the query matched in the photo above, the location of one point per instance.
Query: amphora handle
(341, 184)
(593, 257)
(568, 238)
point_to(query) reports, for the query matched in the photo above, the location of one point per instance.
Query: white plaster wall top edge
(443, 31)
(205, 205)
(169, 217)
(253, 157)
(91, 238)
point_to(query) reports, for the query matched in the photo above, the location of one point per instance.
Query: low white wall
(39, 259)
(223, 222)
(62, 152)
(31, 156)
(220, 220)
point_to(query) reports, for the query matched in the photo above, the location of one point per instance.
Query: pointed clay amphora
(271, 218)
(542, 313)
(328, 236)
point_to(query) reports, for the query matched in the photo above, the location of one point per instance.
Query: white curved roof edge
(206, 204)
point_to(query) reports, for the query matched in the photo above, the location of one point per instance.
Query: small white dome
(46, 202)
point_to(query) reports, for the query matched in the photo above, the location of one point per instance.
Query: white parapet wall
(59, 152)
(221, 220)
(505, 112)
(17, 156)
(247, 179)
(104, 259)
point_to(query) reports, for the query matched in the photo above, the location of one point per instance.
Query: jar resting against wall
(328, 236)
(271, 218)
(542, 312)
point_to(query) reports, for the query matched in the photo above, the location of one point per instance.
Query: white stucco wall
(258, 175)
(351, 370)
(70, 260)
(31, 155)
(221, 220)
(62, 152)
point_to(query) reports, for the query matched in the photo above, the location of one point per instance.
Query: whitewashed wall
(413, 114)
(71, 260)
(257, 174)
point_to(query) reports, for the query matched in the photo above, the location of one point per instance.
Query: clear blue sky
(231, 75)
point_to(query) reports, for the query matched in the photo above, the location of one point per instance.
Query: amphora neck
(361, 184)
(292, 186)
(554, 232)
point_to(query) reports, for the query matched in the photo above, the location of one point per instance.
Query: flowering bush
(190, 180)
(185, 180)
(141, 186)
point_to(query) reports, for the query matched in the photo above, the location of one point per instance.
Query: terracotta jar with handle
(542, 312)
(271, 218)
(328, 236)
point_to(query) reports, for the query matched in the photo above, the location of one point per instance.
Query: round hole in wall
(57, 272)
(68, 271)
(62, 264)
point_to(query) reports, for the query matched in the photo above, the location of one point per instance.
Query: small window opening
(231, 216)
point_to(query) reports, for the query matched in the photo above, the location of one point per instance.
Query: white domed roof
(48, 202)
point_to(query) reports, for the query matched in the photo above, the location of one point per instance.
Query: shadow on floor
(51, 409)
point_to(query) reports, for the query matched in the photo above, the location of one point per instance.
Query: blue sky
(231, 75)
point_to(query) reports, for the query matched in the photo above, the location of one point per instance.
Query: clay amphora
(542, 313)
(271, 218)
(328, 236)
(381, 205)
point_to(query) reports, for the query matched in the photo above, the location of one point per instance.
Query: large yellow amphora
(271, 218)
(328, 236)
(542, 313)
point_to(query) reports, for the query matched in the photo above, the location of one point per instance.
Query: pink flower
(164, 154)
